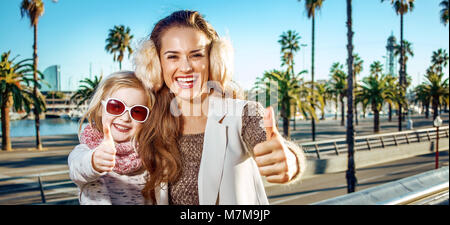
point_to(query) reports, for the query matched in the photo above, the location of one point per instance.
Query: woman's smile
(186, 81)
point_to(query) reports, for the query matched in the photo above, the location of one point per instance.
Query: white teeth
(185, 79)
(121, 127)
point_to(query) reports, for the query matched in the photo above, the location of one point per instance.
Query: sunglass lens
(115, 107)
(139, 113)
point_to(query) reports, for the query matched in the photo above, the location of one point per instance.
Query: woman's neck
(194, 113)
(193, 108)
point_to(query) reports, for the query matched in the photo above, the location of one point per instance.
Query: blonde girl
(106, 166)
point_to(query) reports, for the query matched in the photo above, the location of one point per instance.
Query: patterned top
(184, 191)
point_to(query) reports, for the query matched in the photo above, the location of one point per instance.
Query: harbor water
(48, 127)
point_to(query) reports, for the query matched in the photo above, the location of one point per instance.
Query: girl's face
(185, 61)
(124, 127)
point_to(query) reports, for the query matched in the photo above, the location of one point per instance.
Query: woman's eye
(198, 55)
(172, 57)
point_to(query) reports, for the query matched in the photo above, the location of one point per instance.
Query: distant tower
(391, 43)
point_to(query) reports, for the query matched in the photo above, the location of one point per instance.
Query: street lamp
(437, 123)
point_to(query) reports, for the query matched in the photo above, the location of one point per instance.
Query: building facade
(52, 77)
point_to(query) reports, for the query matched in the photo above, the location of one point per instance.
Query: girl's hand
(103, 158)
(274, 159)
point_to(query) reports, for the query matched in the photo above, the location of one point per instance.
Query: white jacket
(228, 173)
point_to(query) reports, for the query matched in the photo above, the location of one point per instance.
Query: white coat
(228, 173)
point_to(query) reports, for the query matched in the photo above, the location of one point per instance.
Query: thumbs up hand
(103, 158)
(275, 161)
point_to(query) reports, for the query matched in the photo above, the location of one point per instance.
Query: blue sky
(72, 33)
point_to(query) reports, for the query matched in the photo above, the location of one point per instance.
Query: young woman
(205, 146)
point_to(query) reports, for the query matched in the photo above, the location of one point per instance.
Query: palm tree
(289, 42)
(290, 92)
(376, 68)
(325, 92)
(401, 7)
(422, 96)
(375, 91)
(261, 91)
(339, 84)
(437, 89)
(439, 59)
(444, 12)
(407, 52)
(15, 91)
(119, 41)
(34, 9)
(350, 134)
(311, 6)
(86, 91)
(307, 100)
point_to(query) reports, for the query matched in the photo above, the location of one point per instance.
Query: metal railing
(319, 149)
(36, 182)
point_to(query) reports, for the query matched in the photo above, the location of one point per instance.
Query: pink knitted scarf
(127, 159)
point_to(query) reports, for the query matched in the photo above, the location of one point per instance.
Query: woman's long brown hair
(160, 154)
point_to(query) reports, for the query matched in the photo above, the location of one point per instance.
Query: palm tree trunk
(336, 106)
(356, 114)
(354, 86)
(6, 135)
(400, 114)
(376, 119)
(35, 91)
(286, 127)
(390, 112)
(435, 107)
(313, 122)
(350, 135)
(284, 115)
(342, 110)
(427, 110)
(295, 113)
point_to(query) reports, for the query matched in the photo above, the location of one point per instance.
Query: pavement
(19, 169)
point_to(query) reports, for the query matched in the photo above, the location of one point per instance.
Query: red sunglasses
(116, 107)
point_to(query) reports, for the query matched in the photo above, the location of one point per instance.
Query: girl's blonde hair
(160, 155)
(107, 86)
